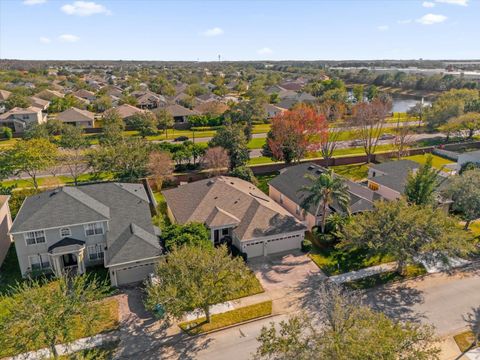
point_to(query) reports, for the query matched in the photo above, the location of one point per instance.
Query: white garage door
(285, 243)
(254, 249)
(134, 273)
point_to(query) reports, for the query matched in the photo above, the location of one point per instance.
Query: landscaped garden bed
(228, 318)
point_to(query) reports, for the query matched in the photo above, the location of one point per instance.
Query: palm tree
(323, 192)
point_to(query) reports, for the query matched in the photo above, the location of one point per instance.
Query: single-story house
(149, 100)
(180, 114)
(468, 157)
(18, 119)
(39, 103)
(85, 94)
(77, 117)
(73, 228)
(236, 212)
(272, 110)
(389, 178)
(48, 94)
(288, 101)
(126, 111)
(286, 190)
(5, 225)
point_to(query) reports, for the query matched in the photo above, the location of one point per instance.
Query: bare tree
(76, 163)
(403, 139)
(329, 138)
(369, 120)
(217, 160)
(160, 166)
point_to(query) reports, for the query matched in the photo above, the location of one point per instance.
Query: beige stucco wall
(5, 225)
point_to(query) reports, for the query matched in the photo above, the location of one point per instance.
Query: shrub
(6, 133)
(307, 245)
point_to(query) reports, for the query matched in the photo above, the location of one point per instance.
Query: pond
(403, 104)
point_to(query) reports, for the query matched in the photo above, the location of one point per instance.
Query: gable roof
(127, 110)
(225, 201)
(20, 111)
(74, 114)
(292, 179)
(4, 95)
(131, 235)
(178, 110)
(393, 174)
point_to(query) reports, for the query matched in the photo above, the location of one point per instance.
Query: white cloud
(428, 4)
(213, 32)
(406, 21)
(68, 38)
(430, 19)
(265, 51)
(34, 2)
(382, 28)
(85, 8)
(45, 40)
(454, 2)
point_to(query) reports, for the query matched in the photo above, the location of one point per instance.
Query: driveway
(283, 277)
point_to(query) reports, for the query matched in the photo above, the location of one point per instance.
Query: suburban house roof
(4, 95)
(474, 155)
(126, 110)
(225, 200)
(3, 199)
(214, 106)
(74, 114)
(178, 110)
(131, 235)
(39, 103)
(85, 94)
(292, 179)
(49, 94)
(20, 111)
(393, 174)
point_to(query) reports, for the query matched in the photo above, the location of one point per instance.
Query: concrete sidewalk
(363, 273)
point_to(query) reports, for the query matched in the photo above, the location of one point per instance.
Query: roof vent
(310, 167)
(318, 172)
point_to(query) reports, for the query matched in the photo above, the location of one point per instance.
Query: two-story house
(73, 228)
(19, 119)
(238, 213)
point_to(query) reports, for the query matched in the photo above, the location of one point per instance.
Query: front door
(69, 260)
(216, 237)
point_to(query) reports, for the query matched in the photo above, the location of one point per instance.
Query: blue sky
(239, 30)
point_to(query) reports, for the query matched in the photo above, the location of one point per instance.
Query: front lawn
(228, 318)
(106, 320)
(465, 341)
(256, 143)
(335, 261)
(412, 271)
(252, 287)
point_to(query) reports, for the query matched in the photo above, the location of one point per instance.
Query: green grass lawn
(412, 271)
(228, 318)
(335, 261)
(354, 172)
(437, 161)
(107, 319)
(256, 143)
(464, 341)
(263, 181)
(53, 181)
(7, 144)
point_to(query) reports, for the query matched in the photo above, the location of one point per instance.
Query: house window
(224, 231)
(39, 262)
(65, 232)
(93, 229)
(95, 252)
(35, 237)
(25, 117)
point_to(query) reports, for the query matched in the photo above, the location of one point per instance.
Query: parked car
(357, 142)
(181, 138)
(386, 136)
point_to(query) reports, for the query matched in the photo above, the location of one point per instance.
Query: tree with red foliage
(295, 133)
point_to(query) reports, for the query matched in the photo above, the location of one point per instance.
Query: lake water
(402, 104)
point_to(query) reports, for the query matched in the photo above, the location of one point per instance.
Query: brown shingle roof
(127, 110)
(223, 200)
(74, 114)
(4, 95)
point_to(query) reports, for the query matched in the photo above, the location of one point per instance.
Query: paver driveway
(286, 278)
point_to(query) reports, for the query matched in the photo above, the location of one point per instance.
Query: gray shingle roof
(395, 173)
(131, 235)
(292, 179)
(258, 214)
